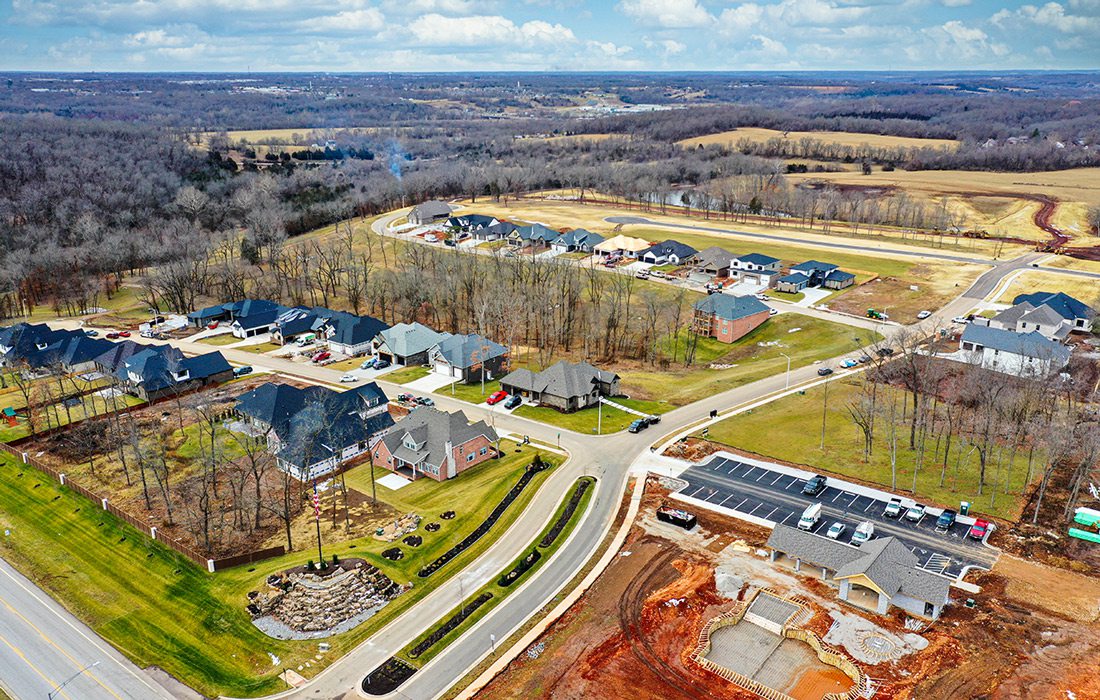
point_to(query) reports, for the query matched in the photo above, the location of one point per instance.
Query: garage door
(445, 368)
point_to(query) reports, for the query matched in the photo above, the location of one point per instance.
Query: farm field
(839, 138)
(789, 430)
(160, 609)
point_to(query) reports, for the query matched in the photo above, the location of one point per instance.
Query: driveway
(429, 383)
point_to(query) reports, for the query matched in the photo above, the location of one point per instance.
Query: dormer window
(182, 376)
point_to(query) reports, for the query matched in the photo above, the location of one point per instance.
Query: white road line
(777, 478)
(740, 504)
(868, 506)
(733, 468)
(746, 474)
(726, 499)
(717, 464)
(762, 475)
(784, 521)
(769, 515)
(841, 493)
(754, 508)
(793, 482)
(692, 495)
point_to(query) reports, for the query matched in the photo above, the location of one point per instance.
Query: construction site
(704, 612)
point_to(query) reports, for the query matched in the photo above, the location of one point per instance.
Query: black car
(449, 242)
(652, 420)
(945, 521)
(814, 485)
(884, 352)
(864, 359)
(824, 372)
(158, 319)
(241, 371)
(638, 426)
(512, 401)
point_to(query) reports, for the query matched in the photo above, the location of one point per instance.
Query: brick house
(435, 444)
(727, 318)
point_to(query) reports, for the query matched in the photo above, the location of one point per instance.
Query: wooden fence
(142, 526)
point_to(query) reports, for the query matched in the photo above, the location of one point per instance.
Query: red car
(124, 334)
(978, 530)
(322, 356)
(496, 397)
(212, 325)
(111, 336)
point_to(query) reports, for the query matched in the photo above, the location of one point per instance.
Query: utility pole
(317, 519)
(788, 385)
(57, 691)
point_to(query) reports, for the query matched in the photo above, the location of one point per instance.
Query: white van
(810, 516)
(306, 339)
(863, 533)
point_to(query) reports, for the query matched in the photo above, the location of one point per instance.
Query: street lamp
(56, 691)
(788, 369)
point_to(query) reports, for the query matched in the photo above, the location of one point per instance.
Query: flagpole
(317, 519)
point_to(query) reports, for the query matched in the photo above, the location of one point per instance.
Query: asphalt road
(42, 646)
(608, 457)
(777, 497)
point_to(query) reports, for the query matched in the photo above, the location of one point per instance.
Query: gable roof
(839, 276)
(794, 278)
(579, 236)
(468, 221)
(502, 228)
(116, 356)
(621, 242)
(729, 307)
(1063, 304)
(714, 256)
(1044, 315)
(431, 430)
(758, 259)
(1033, 344)
(349, 329)
(536, 232)
(565, 379)
(671, 247)
(406, 339)
(885, 561)
(433, 208)
(814, 266)
(467, 350)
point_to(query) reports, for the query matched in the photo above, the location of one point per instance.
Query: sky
(539, 35)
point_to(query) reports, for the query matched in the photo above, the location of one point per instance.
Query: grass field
(839, 138)
(160, 609)
(220, 339)
(789, 429)
(407, 374)
(587, 420)
(757, 355)
(57, 414)
(1028, 281)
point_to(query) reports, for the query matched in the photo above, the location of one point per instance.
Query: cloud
(368, 20)
(481, 30)
(955, 3)
(667, 14)
(741, 19)
(446, 7)
(669, 47)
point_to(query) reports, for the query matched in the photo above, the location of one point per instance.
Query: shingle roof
(579, 236)
(469, 221)
(431, 429)
(1032, 344)
(349, 329)
(468, 350)
(758, 259)
(729, 307)
(431, 209)
(621, 242)
(537, 232)
(794, 278)
(839, 276)
(671, 247)
(1044, 315)
(714, 257)
(117, 355)
(1066, 306)
(814, 266)
(564, 379)
(405, 339)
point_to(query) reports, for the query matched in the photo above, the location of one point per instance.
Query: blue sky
(431, 35)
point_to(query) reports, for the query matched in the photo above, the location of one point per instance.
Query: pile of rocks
(398, 528)
(307, 605)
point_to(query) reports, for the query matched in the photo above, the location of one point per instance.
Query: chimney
(450, 469)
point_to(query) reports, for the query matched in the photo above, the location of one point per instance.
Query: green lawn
(407, 374)
(785, 296)
(220, 339)
(816, 339)
(161, 609)
(90, 406)
(585, 420)
(789, 429)
(501, 592)
(471, 393)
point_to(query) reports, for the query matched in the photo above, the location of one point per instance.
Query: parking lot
(775, 496)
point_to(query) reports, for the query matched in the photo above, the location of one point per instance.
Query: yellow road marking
(21, 655)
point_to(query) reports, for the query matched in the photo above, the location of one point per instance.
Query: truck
(306, 339)
(863, 532)
(810, 516)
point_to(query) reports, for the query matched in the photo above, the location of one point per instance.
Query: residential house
(823, 274)
(406, 343)
(755, 267)
(1024, 318)
(314, 431)
(792, 283)
(469, 358)
(1076, 313)
(352, 335)
(1028, 354)
(156, 371)
(75, 355)
(576, 241)
(435, 444)
(669, 252)
(471, 222)
(252, 317)
(714, 261)
(201, 318)
(298, 321)
(495, 232)
(429, 212)
(566, 386)
(113, 359)
(727, 318)
(622, 246)
(838, 279)
(535, 236)
(23, 340)
(877, 575)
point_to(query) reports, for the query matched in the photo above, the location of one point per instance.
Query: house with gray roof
(151, 372)
(1030, 354)
(566, 386)
(1077, 314)
(669, 252)
(435, 444)
(876, 575)
(792, 283)
(468, 358)
(577, 240)
(407, 343)
(429, 212)
(714, 261)
(728, 318)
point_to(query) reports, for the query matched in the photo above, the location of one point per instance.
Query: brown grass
(842, 138)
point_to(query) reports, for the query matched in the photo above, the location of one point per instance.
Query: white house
(1028, 354)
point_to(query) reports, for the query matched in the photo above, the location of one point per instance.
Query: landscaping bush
(451, 623)
(567, 512)
(519, 569)
(388, 677)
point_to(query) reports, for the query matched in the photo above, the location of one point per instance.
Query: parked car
(496, 397)
(762, 297)
(349, 379)
(846, 364)
(424, 401)
(946, 520)
(642, 274)
(864, 359)
(431, 238)
(863, 532)
(893, 508)
(814, 485)
(824, 372)
(241, 371)
(836, 530)
(773, 312)
(978, 530)
(406, 398)
(638, 426)
(158, 319)
(146, 334)
(368, 364)
(322, 356)
(915, 513)
(652, 419)
(124, 334)
(921, 315)
(512, 401)
(810, 516)
(381, 364)
(961, 320)
(884, 352)
(449, 242)
(112, 336)
(212, 325)
(91, 332)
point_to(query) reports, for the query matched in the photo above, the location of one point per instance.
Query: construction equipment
(877, 315)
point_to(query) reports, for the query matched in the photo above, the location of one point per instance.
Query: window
(470, 457)
(483, 450)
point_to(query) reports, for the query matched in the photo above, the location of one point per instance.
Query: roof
(814, 266)
(729, 307)
(25, 339)
(758, 259)
(471, 221)
(116, 356)
(207, 365)
(208, 312)
(715, 256)
(254, 307)
(621, 242)
(407, 339)
(671, 247)
(298, 320)
(885, 561)
(431, 429)
(468, 350)
(536, 232)
(432, 208)
(1043, 315)
(564, 379)
(502, 228)
(579, 236)
(839, 276)
(1063, 304)
(256, 319)
(349, 329)
(794, 278)
(1033, 344)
